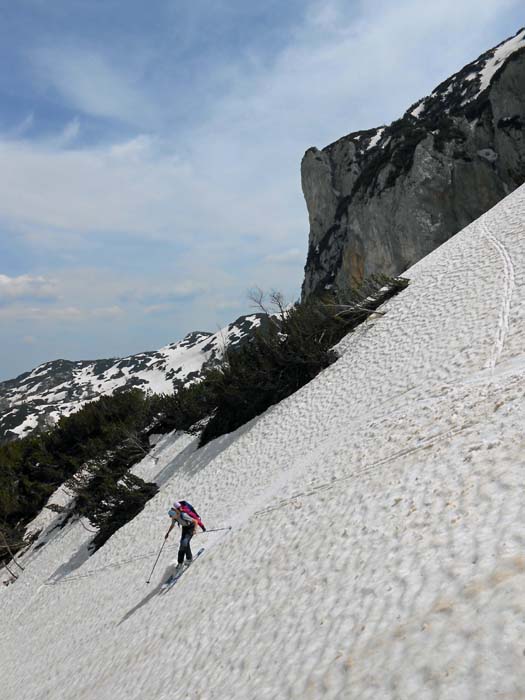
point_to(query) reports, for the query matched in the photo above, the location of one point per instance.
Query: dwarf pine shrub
(292, 351)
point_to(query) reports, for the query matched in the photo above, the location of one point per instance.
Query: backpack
(187, 508)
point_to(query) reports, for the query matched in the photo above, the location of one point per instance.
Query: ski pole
(218, 529)
(156, 560)
(15, 577)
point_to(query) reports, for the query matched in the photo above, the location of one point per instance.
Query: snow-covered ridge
(470, 83)
(61, 387)
(450, 97)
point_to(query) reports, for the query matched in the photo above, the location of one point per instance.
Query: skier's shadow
(158, 590)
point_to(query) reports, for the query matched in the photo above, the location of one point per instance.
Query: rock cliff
(379, 200)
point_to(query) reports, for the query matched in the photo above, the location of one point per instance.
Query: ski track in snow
(378, 541)
(508, 286)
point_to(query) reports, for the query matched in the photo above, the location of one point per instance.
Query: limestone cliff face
(380, 200)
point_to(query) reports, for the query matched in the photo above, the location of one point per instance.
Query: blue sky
(151, 151)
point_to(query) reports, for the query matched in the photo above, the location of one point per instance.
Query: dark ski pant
(184, 548)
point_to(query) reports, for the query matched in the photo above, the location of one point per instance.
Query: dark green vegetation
(93, 450)
(297, 346)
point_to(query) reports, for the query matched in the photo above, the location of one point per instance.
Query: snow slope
(377, 549)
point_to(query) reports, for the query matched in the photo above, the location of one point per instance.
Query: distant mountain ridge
(380, 200)
(60, 387)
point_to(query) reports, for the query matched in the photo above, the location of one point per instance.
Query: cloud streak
(26, 287)
(87, 82)
(58, 313)
(236, 170)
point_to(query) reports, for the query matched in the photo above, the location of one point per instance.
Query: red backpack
(187, 508)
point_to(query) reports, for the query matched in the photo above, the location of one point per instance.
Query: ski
(172, 580)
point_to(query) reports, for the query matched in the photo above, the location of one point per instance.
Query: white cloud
(26, 287)
(19, 312)
(73, 294)
(89, 83)
(58, 313)
(132, 187)
(236, 172)
(68, 313)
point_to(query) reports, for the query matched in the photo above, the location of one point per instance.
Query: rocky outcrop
(380, 200)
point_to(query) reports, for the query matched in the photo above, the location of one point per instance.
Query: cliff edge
(382, 199)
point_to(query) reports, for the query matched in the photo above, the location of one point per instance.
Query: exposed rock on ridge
(380, 200)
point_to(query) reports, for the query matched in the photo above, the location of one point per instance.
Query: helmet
(172, 512)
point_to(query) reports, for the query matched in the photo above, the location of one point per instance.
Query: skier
(180, 514)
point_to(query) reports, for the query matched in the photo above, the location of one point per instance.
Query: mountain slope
(61, 387)
(377, 541)
(379, 200)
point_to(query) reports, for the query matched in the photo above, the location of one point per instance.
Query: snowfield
(377, 548)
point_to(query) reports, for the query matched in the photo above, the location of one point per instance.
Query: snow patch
(376, 139)
(501, 54)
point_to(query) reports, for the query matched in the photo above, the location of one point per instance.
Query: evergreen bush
(291, 352)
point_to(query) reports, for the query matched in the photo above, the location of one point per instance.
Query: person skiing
(186, 517)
